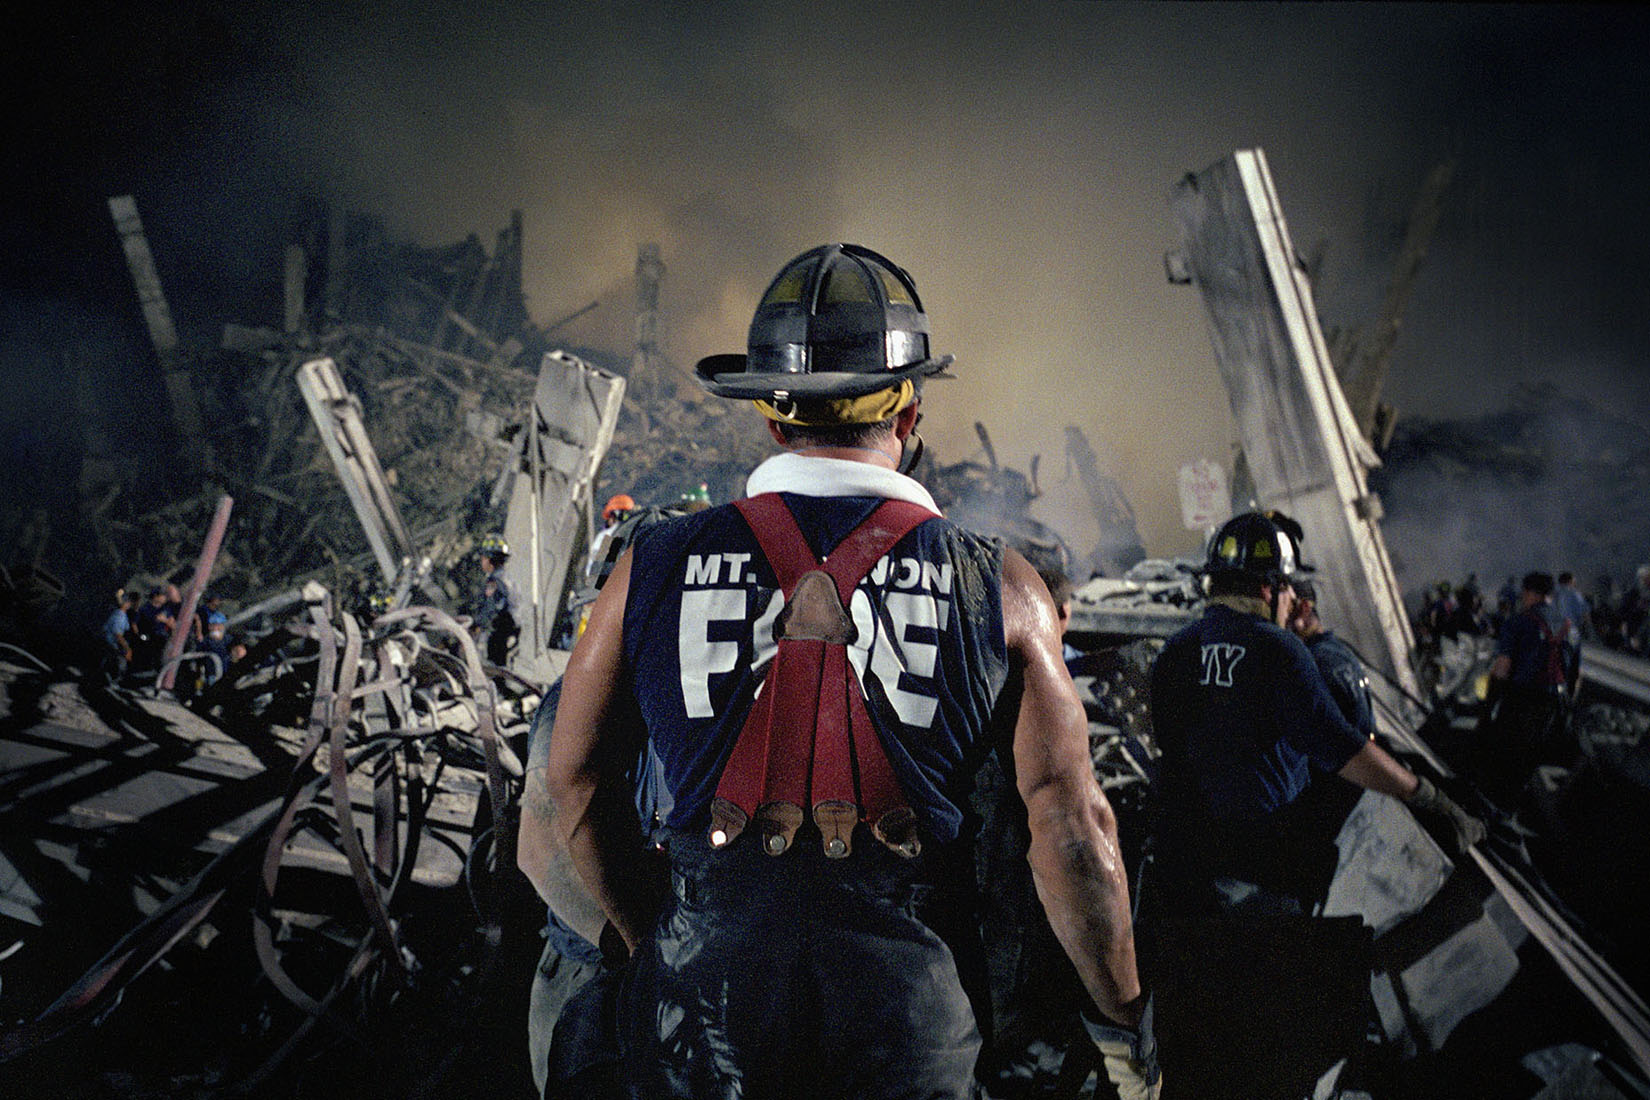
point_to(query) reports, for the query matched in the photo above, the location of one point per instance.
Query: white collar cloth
(808, 476)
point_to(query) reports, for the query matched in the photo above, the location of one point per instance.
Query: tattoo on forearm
(535, 797)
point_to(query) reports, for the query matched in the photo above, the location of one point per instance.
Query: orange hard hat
(621, 502)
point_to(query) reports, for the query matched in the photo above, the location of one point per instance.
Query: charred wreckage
(292, 873)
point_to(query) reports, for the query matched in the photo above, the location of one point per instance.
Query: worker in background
(1634, 613)
(154, 625)
(1342, 670)
(1572, 606)
(212, 636)
(1527, 683)
(793, 949)
(1324, 806)
(609, 543)
(1469, 607)
(174, 606)
(696, 499)
(497, 605)
(1440, 617)
(587, 1065)
(614, 512)
(1256, 997)
(117, 647)
(1506, 605)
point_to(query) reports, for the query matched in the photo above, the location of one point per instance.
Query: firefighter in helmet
(815, 839)
(497, 604)
(1241, 856)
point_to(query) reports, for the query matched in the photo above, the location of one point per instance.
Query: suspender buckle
(898, 830)
(778, 822)
(727, 821)
(836, 820)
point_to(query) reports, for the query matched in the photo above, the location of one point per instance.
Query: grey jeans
(554, 984)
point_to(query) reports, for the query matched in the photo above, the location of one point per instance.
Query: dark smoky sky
(1015, 157)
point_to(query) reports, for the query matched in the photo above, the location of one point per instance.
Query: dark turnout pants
(1254, 997)
(797, 976)
(1256, 1007)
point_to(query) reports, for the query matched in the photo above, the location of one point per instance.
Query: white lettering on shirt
(1219, 660)
(900, 644)
(703, 569)
(701, 657)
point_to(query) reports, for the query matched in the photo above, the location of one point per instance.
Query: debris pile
(437, 346)
(434, 343)
(307, 864)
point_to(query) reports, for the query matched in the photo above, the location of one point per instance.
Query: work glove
(1128, 1057)
(1429, 799)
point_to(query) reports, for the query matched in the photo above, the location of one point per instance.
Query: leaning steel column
(1304, 449)
(337, 416)
(574, 413)
(157, 317)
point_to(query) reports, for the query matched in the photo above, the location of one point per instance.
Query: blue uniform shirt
(1346, 679)
(930, 654)
(1531, 642)
(1243, 716)
(1572, 605)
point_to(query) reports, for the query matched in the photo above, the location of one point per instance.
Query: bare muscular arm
(1074, 855)
(544, 859)
(595, 808)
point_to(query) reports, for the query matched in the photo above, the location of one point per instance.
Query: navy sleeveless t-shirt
(930, 654)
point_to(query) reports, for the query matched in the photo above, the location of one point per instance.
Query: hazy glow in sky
(1015, 158)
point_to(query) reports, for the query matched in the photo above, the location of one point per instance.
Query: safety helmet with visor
(1265, 546)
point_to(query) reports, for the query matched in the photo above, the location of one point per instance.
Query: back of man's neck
(871, 456)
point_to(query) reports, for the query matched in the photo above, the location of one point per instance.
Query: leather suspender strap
(790, 556)
(809, 740)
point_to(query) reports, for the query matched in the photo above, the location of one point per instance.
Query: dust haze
(1015, 158)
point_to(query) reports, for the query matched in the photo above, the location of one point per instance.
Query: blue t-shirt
(1532, 643)
(215, 636)
(1572, 605)
(115, 628)
(1243, 717)
(148, 621)
(930, 655)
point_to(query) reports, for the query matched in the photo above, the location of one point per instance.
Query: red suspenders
(808, 741)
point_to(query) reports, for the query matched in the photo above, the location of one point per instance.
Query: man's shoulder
(1329, 648)
(1220, 619)
(666, 538)
(1531, 621)
(1187, 635)
(671, 528)
(1328, 641)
